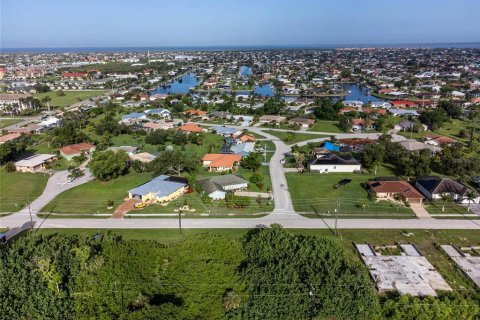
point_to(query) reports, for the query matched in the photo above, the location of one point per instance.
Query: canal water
(245, 71)
(357, 92)
(264, 90)
(187, 82)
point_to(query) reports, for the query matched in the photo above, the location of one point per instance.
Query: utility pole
(180, 220)
(337, 208)
(30, 212)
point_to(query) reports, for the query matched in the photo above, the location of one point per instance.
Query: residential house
(218, 162)
(28, 130)
(73, 150)
(9, 137)
(217, 187)
(402, 112)
(159, 112)
(195, 112)
(362, 124)
(414, 145)
(161, 189)
(133, 117)
(390, 189)
(434, 187)
(14, 102)
(354, 144)
(357, 104)
(225, 131)
(407, 125)
(34, 163)
(403, 104)
(380, 104)
(130, 150)
(243, 149)
(334, 163)
(271, 119)
(303, 123)
(74, 75)
(439, 141)
(191, 127)
(144, 157)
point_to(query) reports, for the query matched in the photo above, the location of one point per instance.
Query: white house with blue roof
(133, 117)
(161, 189)
(159, 111)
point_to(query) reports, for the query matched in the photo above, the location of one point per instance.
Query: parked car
(139, 205)
(342, 183)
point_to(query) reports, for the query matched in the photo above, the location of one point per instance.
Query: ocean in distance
(239, 47)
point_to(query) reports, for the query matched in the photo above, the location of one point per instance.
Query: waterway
(245, 71)
(357, 92)
(181, 86)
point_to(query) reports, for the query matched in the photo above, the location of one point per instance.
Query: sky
(151, 23)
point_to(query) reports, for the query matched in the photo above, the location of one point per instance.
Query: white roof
(34, 160)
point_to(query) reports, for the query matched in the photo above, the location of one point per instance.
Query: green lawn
(294, 137)
(8, 122)
(450, 129)
(18, 189)
(424, 240)
(69, 98)
(313, 192)
(435, 207)
(92, 196)
(326, 126)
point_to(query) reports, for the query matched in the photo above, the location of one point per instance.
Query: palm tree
(470, 197)
(46, 101)
(444, 198)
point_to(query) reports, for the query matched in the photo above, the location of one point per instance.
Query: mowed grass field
(295, 136)
(17, 189)
(425, 241)
(69, 98)
(92, 197)
(326, 126)
(8, 122)
(314, 193)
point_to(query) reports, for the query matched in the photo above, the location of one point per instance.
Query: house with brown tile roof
(218, 162)
(191, 127)
(9, 137)
(73, 150)
(390, 189)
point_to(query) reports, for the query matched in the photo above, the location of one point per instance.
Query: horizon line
(330, 45)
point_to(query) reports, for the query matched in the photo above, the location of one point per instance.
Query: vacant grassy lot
(425, 241)
(18, 189)
(69, 98)
(294, 137)
(313, 192)
(326, 126)
(92, 197)
(8, 122)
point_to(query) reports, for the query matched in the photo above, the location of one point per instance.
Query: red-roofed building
(392, 189)
(73, 150)
(193, 112)
(9, 137)
(218, 162)
(191, 127)
(403, 104)
(377, 111)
